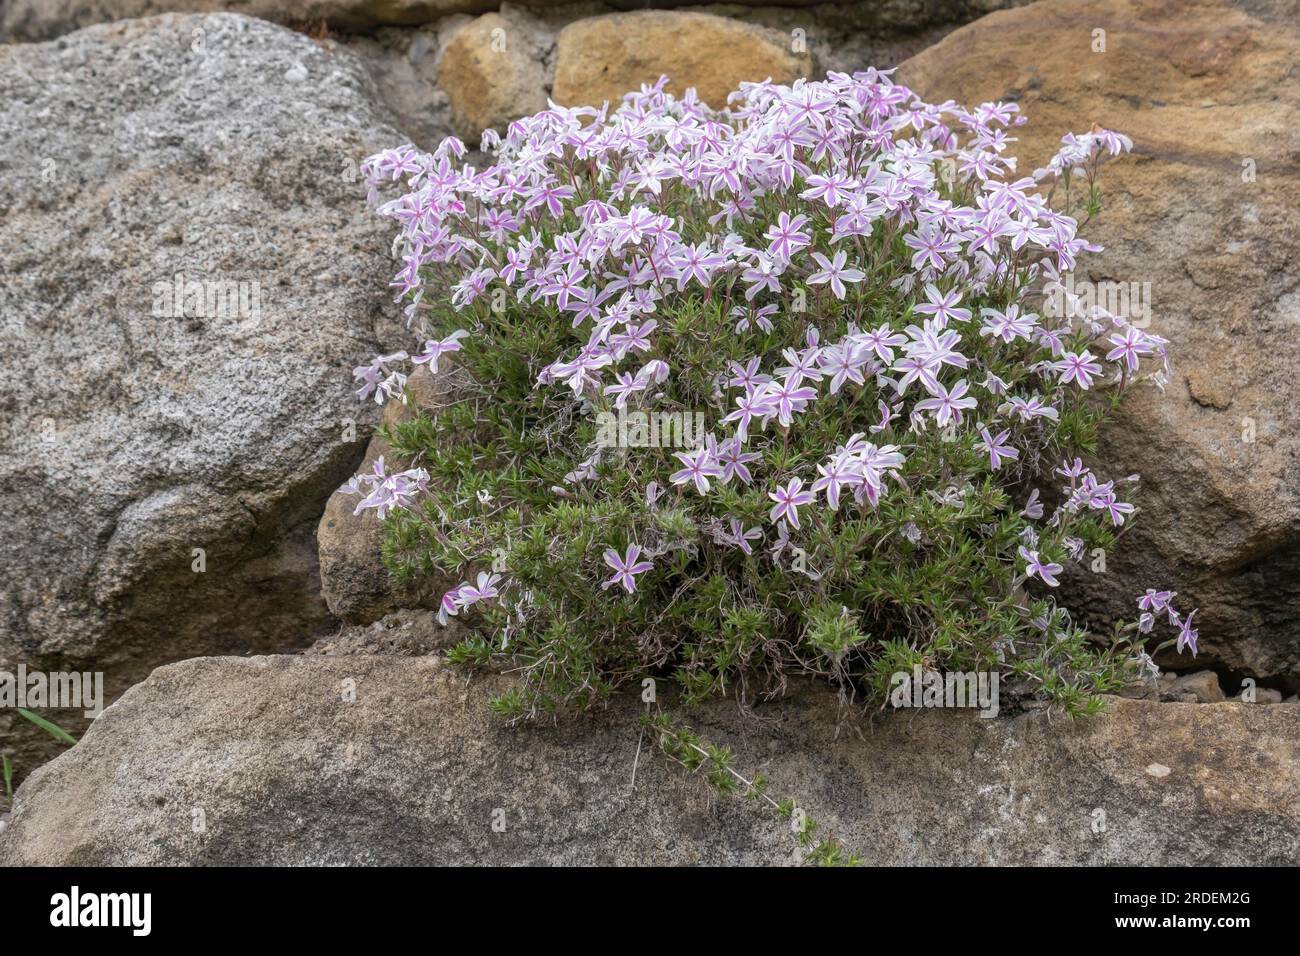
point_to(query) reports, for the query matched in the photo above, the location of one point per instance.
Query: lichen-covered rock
(601, 58)
(188, 270)
(388, 760)
(1203, 219)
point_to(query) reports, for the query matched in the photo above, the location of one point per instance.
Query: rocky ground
(388, 760)
(167, 474)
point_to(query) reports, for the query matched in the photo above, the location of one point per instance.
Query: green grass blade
(48, 727)
(9, 777)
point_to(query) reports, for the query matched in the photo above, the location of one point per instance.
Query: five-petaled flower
(626, 568)
(1079, 367)
(835, 272)
(947, 404)
(997, 447)
(700, 467)
(435, 349)
(1187, 635)
(788, 501)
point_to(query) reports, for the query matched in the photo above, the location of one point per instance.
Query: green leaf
(51, 728)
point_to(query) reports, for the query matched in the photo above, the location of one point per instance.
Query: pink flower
(947, 405)
(449, 606)
(696, 262)
(700, 467)
(786, 237)
(1078, 367)
(834, 272)
(943, 306)
(788, 500)
(1128, 346)
(626, 568)
(997, 447)
(484, 589)
(1045, 570)
(435, 349)
(1187, 635)
(755, 403)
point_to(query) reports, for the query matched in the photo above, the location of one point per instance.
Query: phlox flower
(1078, 367)
(996, 447)
(788, 501)
(1187, 635)
(378, 379)
(626, 567)
(435, 349)
(946, 404)
(1156, 601)
(699, 467)
(786, 236)
(834, 271)
(1129, 344)
(943, 306)
(1046, 571)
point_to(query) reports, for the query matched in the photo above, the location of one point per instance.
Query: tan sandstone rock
(1201, 687)
(1205, 212)
(492, 74)
(602, 58)
(390, 760)
(356, 585)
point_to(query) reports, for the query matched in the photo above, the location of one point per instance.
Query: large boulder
(601, 58)
(1206, 213)
(383, 760)
(167, 444)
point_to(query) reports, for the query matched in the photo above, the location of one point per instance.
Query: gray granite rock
(164, 458)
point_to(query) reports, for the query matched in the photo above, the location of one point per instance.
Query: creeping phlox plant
(868, 307)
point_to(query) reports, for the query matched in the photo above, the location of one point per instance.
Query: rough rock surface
(356, 585)
(403, 61)
(43, 19)
(375, 760)
(601, 58)
(406, 633)
(493, 72)
(1201, 687)
(223, 149)
(1205, 211)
